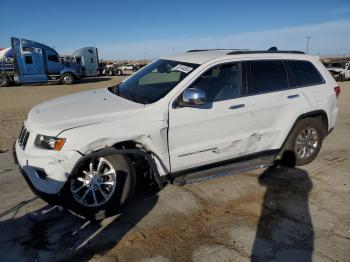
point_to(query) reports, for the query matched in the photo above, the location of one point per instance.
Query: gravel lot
(280, 214)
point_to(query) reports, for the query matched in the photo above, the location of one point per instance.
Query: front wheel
(305, 140)
(102, 186)
(67, 79)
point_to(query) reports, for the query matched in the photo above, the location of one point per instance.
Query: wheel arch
(313, 114)
(130, 148)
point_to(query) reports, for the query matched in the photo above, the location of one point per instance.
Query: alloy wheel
(95, 186)
(306, 142)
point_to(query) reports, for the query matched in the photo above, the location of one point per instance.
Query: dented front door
(213, 132)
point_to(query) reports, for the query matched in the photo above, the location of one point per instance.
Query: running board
(226, 170)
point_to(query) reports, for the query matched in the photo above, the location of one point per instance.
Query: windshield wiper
(114, 89)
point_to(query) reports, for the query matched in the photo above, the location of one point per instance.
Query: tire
(305, 140)
(109, 198)
(118, 72)
(4, 81)
(67, 79)
(109, 72)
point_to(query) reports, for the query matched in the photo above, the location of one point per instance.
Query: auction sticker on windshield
(182, 68)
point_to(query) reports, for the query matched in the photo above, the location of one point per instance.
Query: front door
(219, 130)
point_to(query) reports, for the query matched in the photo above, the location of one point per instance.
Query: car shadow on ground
(55, 234)
(284, 231)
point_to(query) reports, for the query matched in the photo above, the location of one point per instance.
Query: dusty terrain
(280, 214)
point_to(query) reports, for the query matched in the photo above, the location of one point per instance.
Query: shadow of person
(285, 231)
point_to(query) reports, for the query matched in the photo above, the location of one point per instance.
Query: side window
(221, 82)
(28, 59)
(27, 49)
(303, 73)
(52, 58)
(267, 76)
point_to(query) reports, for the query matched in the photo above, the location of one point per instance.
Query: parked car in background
(340, 71)
(183, 118)
(130, 67)
(32, 62)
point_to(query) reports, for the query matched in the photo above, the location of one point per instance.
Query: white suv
(183, 118)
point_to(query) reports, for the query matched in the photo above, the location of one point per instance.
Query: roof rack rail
(214, 49)
(271, 50)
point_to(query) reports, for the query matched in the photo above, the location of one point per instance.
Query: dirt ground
(277, 214)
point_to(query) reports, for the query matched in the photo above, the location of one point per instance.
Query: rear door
(219, 130)
(274, 103)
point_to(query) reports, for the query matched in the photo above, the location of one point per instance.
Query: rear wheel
(305, 141)
(118, 72)
(4, 81)
(67, 79)
(102, 186)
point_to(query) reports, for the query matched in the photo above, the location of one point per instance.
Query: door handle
(292, 96)
(237, 106)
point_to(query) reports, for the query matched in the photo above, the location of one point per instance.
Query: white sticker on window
(182, 68)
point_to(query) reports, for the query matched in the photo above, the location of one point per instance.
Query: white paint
(96, 119)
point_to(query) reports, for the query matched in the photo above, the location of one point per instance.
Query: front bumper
(47, 171)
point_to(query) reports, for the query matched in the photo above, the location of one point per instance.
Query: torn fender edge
(114, 151)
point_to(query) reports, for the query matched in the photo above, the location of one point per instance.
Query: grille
(23, 137)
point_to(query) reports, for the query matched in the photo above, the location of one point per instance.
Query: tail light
(337, 91)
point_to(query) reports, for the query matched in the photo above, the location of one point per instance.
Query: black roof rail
(271, 50)
(214, 49)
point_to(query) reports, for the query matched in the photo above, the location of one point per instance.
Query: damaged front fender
(114, 151)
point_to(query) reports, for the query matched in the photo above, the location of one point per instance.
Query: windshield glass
(153, 81)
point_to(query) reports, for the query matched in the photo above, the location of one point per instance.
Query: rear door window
(267, 76)
(303, 73)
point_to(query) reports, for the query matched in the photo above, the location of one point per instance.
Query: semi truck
(87, 57)
(32, 62)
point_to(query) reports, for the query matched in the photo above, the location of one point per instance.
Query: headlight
(49, 142)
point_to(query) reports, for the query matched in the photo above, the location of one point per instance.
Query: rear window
(267, 76)
(303, 73)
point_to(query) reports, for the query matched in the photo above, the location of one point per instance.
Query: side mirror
(194, 96)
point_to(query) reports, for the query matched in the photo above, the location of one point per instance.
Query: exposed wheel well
(140, 163)
(313, 114)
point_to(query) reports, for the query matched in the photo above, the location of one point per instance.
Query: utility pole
(307, 44)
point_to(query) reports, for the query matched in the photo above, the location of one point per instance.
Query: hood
(80, 109)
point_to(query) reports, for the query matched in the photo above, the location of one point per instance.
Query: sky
(154, 28)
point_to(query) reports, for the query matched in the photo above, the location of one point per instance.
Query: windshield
(153, 81)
